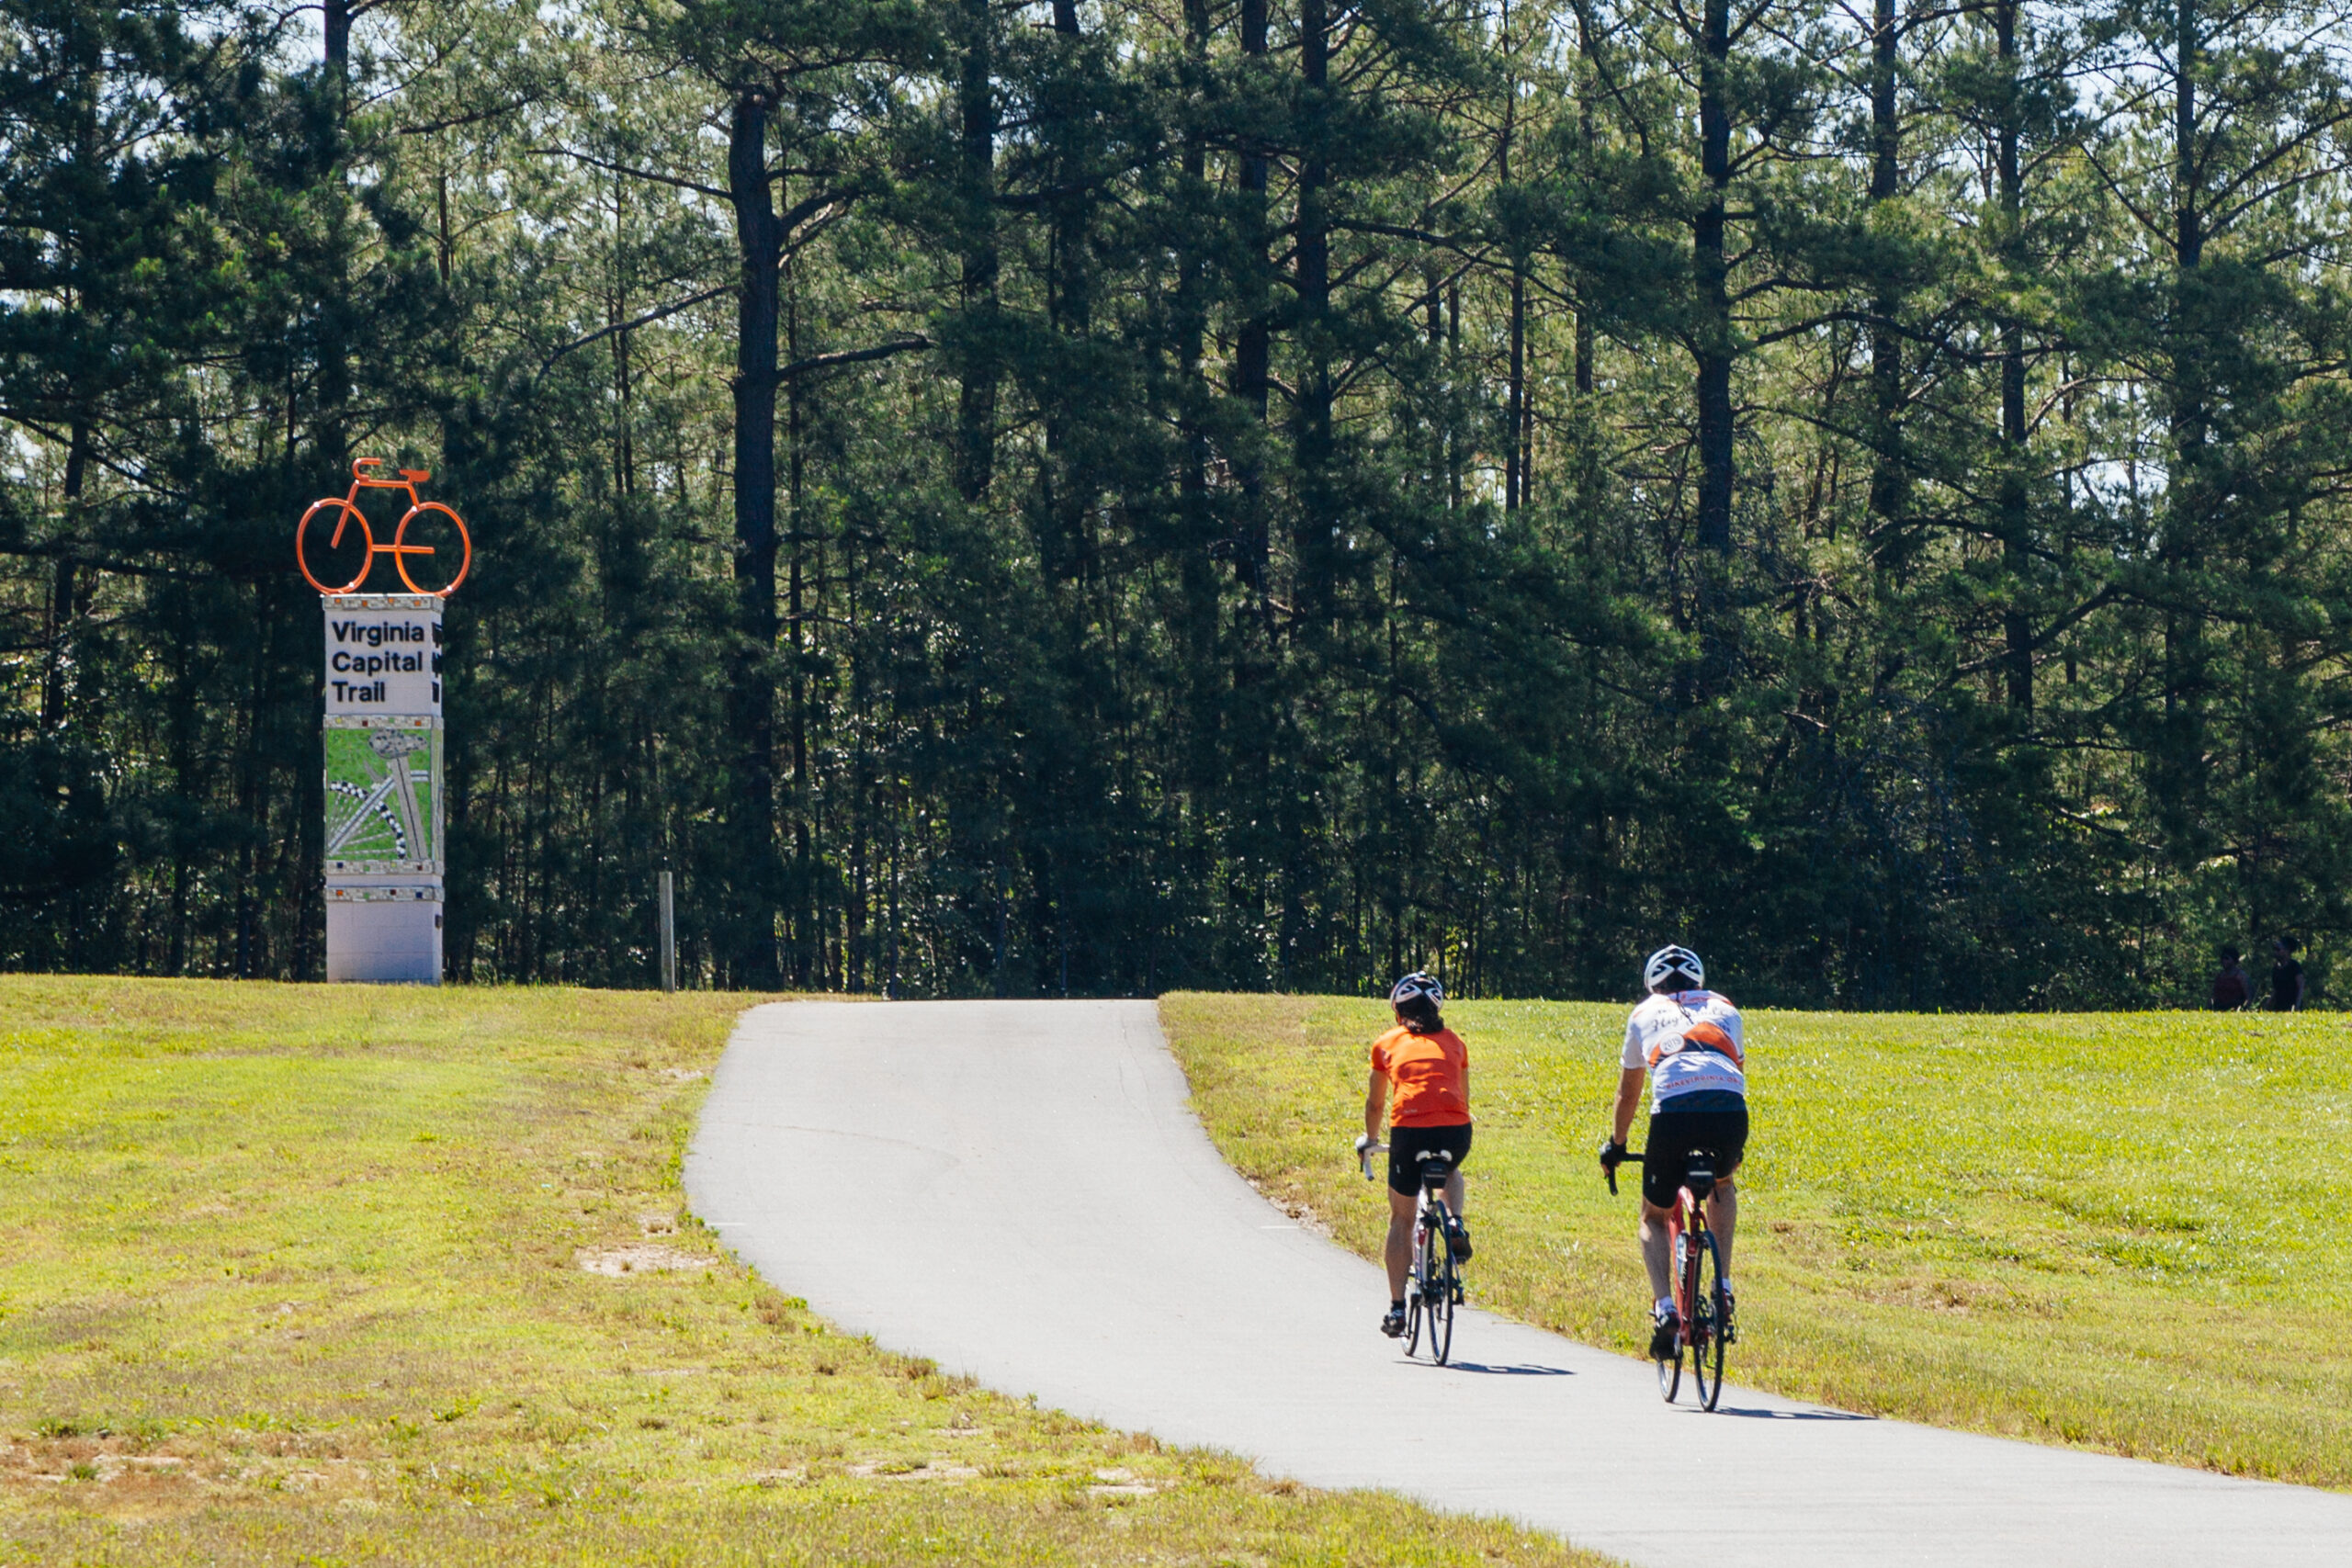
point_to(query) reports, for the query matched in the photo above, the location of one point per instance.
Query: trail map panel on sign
(383, 798)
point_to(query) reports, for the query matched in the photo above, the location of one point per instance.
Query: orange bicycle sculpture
(346, 508)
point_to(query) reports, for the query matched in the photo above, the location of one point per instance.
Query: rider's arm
(1376, 1104)
(1629, 1097)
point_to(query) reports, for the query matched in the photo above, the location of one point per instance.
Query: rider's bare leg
(1456, 1192)
(1656, 1250)
(1723, 1214)
(1398, 1253)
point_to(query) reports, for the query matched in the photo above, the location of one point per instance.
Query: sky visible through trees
(1094, 498)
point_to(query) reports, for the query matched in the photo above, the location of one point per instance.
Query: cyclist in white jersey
(1689, 1043)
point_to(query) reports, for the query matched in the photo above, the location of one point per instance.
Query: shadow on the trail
(1793, 1414)
(1522, 1370)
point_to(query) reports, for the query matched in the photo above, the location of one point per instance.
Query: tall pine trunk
(2181, 744)
(1712, 347)
(1203, 696)
(976, 407)
(1070, 310)
(1313, 542)
(2016, 544)
(1890, 494)
(1515, 455)
(759, 236)
(334, 355)
(65, 588)
(1253, 345)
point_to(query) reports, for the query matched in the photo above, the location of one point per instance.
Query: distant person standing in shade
(2232, 988)
(2286, 977)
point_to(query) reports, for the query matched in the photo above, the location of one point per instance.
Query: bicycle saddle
(415, 476)
(1699, 1176)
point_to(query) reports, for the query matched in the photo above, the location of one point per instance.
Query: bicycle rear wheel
(1442, 1286)
(1707, 1320)
(1669, 1368)
(349, 552)
(1416, 1298)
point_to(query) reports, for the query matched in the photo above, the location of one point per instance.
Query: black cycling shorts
(1675, 1133)
(1407, 1144)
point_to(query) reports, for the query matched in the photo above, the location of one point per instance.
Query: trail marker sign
(383, 749)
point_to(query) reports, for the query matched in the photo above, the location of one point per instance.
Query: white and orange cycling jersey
(1654, 1040)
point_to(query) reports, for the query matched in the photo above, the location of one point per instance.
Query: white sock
(1665, 1303)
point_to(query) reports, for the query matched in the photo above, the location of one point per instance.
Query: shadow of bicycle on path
(1525, 1369)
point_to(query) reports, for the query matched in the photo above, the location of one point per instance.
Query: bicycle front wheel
(1706, 1334)
(444, 551)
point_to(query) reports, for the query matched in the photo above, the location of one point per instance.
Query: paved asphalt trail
(1018, 1190)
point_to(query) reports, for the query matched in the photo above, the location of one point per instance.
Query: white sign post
(383, 744)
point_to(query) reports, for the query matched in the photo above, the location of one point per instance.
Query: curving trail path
(1018, 1190)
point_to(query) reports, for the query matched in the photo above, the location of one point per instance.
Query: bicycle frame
(348, 513)
(1427, 1284)
(1687, 1238)
(1428, 1220)
(1688, 1218)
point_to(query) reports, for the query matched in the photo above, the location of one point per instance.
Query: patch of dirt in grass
(1291, 1198)
(1962, 1297)
(911, 1469)
(104, 1475)
(640, 1258)
(1118, 1483)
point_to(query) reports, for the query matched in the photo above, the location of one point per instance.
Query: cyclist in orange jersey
(1420, 1080)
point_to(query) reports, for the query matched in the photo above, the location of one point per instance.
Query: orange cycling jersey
(1428, 1077)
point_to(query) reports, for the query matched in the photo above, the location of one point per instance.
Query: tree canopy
(1092, 497)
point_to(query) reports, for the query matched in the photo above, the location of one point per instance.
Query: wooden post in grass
(668, 937)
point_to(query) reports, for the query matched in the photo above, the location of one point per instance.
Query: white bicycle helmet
(1668, 960)
(1417, 984)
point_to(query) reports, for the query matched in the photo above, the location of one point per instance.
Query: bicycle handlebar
(1631, 1156)
(368, 471)
(1365, 1149)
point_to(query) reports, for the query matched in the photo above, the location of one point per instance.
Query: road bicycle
(348, 514)
(1699, 1300)
(1433, 1284)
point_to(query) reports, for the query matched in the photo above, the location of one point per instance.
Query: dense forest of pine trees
(1101, 496)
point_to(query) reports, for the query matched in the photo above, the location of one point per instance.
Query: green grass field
(2123, 1232)
(295, 1275)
